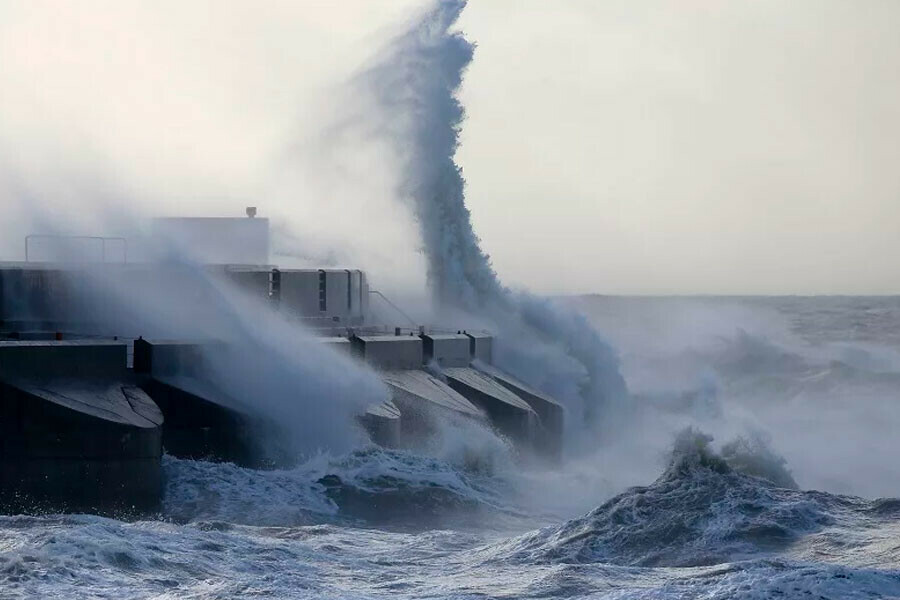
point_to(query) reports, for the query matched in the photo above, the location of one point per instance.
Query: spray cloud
(413, 90)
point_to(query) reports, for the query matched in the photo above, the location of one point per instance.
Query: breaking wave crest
(706, 508)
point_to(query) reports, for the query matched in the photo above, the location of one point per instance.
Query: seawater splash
(414, 91)
(372, 486)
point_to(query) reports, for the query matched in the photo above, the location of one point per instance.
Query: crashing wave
(706, 508)
(371, 485)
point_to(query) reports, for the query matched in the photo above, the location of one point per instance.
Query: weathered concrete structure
(76, 433)
(81, 431)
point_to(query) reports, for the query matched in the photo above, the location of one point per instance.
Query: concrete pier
(76, 433)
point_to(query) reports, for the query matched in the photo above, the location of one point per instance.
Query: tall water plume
(414, 91)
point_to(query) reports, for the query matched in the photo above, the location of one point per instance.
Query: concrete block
(451, 350)
(390, 351)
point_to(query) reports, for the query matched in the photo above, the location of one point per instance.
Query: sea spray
(413, 87)
(275, 368)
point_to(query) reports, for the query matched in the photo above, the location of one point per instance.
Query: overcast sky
(689, 146)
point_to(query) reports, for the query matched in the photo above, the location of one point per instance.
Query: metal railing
(97, 238)
(395, 307)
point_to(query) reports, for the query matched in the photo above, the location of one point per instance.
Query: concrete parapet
(390, 352)
(447, 350)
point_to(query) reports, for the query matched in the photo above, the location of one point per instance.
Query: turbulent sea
(756, 457)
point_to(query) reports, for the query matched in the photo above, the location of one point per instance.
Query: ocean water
(756, 458)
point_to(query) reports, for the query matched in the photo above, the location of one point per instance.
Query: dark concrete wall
(58, 459)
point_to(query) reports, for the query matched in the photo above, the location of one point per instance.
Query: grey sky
(612, 147)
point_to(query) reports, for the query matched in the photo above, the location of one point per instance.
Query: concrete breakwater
(81, 431)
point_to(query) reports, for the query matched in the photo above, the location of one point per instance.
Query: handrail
(101, 239)
(395, 307)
